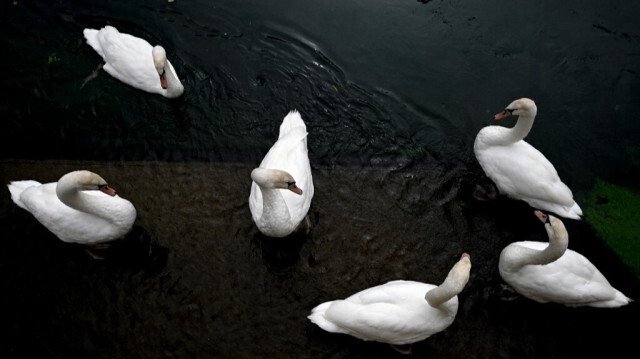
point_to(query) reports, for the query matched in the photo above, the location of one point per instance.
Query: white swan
(135, 62)
(278, 213)
(518, 169)
(398, 312)
(79, 208)
(549, 272)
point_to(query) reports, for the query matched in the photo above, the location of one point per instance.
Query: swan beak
(295, 189)
(108, 190)
(541, 216)
(501, 115)
(163, 80)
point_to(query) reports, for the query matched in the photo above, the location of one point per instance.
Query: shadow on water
(278, 254)
(136, 252)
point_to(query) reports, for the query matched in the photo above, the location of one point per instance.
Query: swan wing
(66, 223)
(521, 171)
(127, 58)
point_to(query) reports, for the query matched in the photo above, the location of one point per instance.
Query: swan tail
(576, 211)
(91, 35)
(618, 301)
(317, 317)
(571, 212)
(622, 299)
(291, 121)
(17, 187)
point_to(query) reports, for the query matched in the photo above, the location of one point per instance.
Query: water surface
(393, 94)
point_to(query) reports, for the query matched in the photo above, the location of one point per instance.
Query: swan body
(518, 169)
(135, 62)
(549, 272)
(399, 312)
(79, 208)
(277, 211)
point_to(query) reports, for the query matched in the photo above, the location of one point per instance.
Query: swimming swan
(276, 211)
(135, 62)
(399, 312)
(518, 169)
(549, 272)
(79, 208)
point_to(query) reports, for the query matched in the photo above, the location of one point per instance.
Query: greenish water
(614, 211)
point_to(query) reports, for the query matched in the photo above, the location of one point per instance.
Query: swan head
(159, 62)
(519, 107)
(462, 268)
(276, 179)
(459, 274)
(85, 181)
(554, 227)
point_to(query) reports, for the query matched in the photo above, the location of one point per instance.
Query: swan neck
(521, 128)
(274, 208)
(452, 285)
(558, 243)
(174, 86)
(439, 295)
(70, 194)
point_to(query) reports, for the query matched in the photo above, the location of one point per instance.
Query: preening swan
(135, 62)
(79, 208)
(549, 272)
(518, 169)
(282, 186)
(399, 312)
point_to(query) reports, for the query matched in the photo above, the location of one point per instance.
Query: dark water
(393, 94)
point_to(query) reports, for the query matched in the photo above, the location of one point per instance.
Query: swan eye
(162, 74)
(510, 111)
(289, 184)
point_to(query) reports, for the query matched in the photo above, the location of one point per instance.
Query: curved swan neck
(558, 244)
(271, 183)
(70, 187)
(521, 128)
(273, 205)
(454, 284)
(174, 86)
(558, 240)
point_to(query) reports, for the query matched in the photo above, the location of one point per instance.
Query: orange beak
(501, 115)
(108, 190)
(163, 80)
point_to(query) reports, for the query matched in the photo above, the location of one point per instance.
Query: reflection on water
(392, 93)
